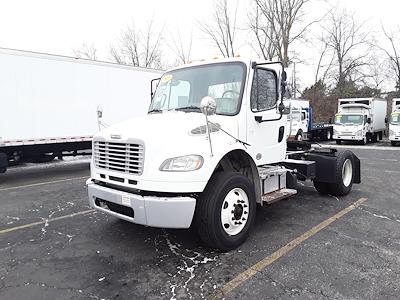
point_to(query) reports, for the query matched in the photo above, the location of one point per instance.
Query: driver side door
(265, 125)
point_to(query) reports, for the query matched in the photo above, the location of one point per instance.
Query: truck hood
(164, 128)
(348, 128)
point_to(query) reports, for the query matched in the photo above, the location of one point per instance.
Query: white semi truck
(52, 105)
(394, 124)
(300, 122)
(360, 119)
(211, 148)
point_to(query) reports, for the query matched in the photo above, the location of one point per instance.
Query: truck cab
(211, 148)
(298, 119)
(394, 123)
(360, 119)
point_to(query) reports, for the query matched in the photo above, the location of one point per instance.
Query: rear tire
(338, 142)
(213, 229)
(344, 177)
(393, 143)
(328, 135)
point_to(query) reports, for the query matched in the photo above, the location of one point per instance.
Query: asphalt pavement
(52, 246)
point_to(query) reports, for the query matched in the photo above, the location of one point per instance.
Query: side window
(263, 91)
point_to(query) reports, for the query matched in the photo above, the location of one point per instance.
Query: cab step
(277, 195)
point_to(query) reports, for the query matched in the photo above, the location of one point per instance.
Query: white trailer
(210, 149)
(360, 119)
(51, 104)
(394, 124)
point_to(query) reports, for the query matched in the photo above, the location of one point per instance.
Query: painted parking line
(42, 183)
(262, 264)
(84, 212)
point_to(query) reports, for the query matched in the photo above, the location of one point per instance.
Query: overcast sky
(60, 26)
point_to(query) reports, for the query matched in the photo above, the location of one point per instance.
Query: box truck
(394, 124)
(211, 148)
(300, 122)
(52, 105)
(360, 119)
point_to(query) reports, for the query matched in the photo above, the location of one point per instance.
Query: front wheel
(226, 210)
(299, 136)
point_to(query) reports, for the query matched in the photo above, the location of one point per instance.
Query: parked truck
(211, 148)
(300, 122)
(360, 119)
(52, 105)
(394, 124)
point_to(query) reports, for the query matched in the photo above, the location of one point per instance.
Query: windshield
(349, 119)
(183, 89)
(395, 119)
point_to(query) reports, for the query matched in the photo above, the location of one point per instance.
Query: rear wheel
(344, 176)
(329, 135)
(338, 142)
(225, 211)
(393, 143)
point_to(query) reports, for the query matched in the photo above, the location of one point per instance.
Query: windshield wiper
(189, 108)
(154, 111)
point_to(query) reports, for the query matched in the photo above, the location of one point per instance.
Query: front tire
(226, 210)
(299, 136)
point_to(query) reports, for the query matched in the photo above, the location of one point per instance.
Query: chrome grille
(119, 157)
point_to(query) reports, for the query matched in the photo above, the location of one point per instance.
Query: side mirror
(153, 86)
(386, 120)
(369, 120)
(330, 121)
(208, 106)
(286, 111)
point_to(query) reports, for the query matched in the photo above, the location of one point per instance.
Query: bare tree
(349, 42)
(180, 49)
(393, 54)
(284, 23)
(263, 33)
(222, 28)
(86, 51)
(139, 48)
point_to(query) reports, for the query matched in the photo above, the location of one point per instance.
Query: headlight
(359, 132)
(391, 132)
(182, 163)
(335, 132)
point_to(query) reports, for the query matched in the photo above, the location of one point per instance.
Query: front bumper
(347, 137)
(163, 212)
